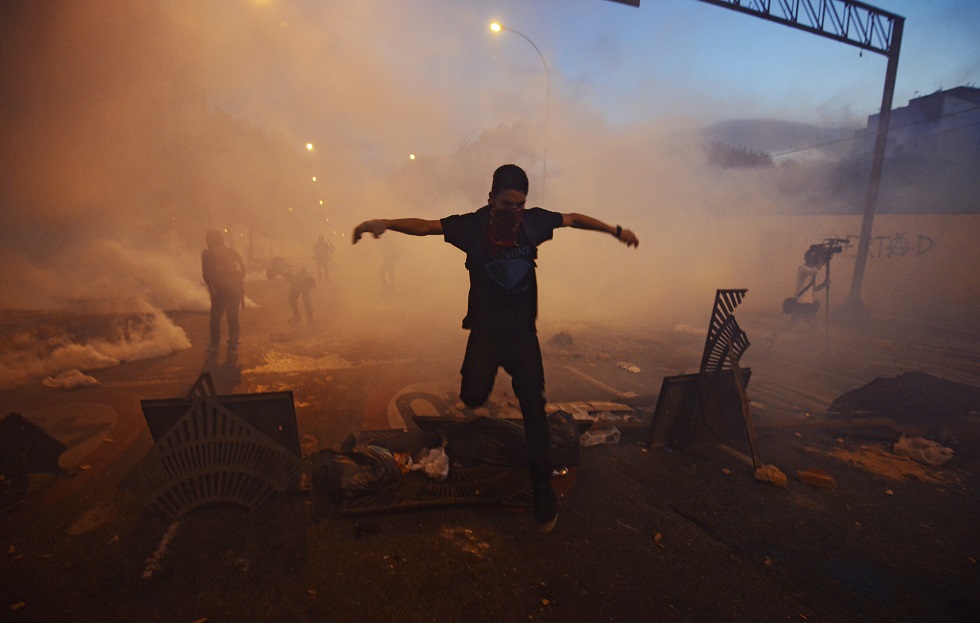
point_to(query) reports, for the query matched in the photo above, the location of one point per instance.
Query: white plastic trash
(435, 464)
(923, 450)
(594, 436)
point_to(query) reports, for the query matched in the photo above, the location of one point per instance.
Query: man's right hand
(375, 228)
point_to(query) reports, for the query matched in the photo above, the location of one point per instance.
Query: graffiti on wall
(899, 244)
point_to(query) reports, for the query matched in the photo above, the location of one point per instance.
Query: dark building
(933, 153)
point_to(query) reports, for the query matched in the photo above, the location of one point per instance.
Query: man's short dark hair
(509, 177)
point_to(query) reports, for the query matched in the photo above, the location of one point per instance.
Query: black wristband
(619, 232)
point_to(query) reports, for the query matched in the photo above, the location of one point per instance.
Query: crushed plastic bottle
(594, 437)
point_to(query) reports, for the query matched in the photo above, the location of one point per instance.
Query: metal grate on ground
(211, 456)
(477, 485)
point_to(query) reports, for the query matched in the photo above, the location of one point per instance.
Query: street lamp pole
(497, 27)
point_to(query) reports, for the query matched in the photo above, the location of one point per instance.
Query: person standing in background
(224, 274)
(323, 256)
(389, 256)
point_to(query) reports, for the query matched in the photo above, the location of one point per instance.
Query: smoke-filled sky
(128, 129)
(437, 59)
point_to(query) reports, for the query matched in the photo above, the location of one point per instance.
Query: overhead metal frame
(846, 21)
(869, 28)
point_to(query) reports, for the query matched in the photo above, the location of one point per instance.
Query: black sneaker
(545, 510)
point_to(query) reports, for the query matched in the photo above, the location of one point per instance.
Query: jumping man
(500, 241)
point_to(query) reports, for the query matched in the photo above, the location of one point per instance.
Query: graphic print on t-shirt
(508, 271)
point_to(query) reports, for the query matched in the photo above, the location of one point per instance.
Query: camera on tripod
(826, 249)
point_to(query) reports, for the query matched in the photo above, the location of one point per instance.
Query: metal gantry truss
(869, 28)
(847, 21)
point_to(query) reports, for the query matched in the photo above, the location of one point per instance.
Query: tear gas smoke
(132, 128)
(41, 347)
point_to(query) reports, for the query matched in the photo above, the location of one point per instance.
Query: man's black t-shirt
(503, 287)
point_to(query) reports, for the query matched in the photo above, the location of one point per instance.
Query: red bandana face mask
(504, 225)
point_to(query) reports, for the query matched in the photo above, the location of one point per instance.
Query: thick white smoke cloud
(41, 348)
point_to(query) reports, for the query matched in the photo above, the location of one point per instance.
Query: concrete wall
(920, 267)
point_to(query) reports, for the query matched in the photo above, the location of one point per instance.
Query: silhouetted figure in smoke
(323, 256)
(803, 306)
(224, 274)
(500, 241)
(300, 286)
(389, 255)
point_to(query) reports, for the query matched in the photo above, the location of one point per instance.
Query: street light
(497, 27)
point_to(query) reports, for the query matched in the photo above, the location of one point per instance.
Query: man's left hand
(628, 238)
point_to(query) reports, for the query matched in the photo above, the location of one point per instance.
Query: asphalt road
(642, 535)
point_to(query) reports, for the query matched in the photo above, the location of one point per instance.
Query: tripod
(826, 251)
(826, 320)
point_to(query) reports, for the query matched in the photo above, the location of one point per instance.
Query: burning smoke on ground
(40, 345)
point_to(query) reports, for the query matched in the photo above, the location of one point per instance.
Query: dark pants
(295, 293)
(520, 356)
(225, 303)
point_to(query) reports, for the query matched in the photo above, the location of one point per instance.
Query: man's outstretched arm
(410, 226)
(582, 221)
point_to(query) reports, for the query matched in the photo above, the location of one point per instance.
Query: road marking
(597, 382)
(738, 455)
(155, 562)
